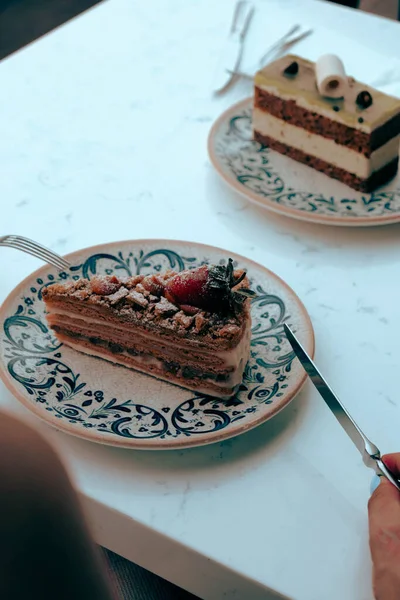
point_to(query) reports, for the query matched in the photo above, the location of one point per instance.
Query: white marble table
(104, 127)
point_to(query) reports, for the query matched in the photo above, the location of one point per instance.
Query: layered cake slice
(190, 328)
(334, 124)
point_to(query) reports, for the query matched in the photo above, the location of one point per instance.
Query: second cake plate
(285, 186)
(102, 402)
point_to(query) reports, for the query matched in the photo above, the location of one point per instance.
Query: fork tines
(30, 247)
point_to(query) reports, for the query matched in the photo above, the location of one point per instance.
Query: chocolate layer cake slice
(353, 138)
(191, 328)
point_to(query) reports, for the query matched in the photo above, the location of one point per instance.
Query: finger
(392, 461)
(384, 529)
(384, 520)
(375, 481)
(385, 502)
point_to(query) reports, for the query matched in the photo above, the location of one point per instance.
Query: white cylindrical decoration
(331, 76)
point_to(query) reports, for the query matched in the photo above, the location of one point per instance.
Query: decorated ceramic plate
(105, 403)
(285, 186)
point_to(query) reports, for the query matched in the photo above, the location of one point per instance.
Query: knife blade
(370, 453)
(337, 408)
(232, 51)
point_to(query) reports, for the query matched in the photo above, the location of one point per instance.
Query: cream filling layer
(230, 358)
(141, 362)
(324, 148)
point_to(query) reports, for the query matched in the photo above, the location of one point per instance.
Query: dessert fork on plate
(278, 49)
(231, 56)
(30, 247)
(285, 43)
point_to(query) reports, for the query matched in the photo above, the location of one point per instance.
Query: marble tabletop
(104, 132)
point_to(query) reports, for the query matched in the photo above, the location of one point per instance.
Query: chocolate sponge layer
(292, 113)
(362, 185)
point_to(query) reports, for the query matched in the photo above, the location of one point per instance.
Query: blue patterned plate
(96, 400)
(285, 186)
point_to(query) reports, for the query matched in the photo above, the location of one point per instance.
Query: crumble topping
(142, 298)
(137, 298)
(117, 296)
(164, 308)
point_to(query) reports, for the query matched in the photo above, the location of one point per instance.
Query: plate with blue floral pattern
(96, 400)
(284, 186)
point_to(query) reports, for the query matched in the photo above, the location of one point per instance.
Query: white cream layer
(324, 148)
(234, 380)
(236, 357)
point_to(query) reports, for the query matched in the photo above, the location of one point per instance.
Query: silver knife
(369, 452)
(231, 56)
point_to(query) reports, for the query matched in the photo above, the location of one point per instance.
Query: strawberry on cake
(190, 328)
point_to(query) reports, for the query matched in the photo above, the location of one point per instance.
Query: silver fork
(281, 47)
(30, 247)
(284, 45)
(279, 43)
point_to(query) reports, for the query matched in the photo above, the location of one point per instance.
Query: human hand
(384, 534)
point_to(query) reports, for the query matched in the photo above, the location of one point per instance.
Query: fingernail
(374, 483)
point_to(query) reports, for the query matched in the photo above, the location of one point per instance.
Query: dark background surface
(22, 21)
